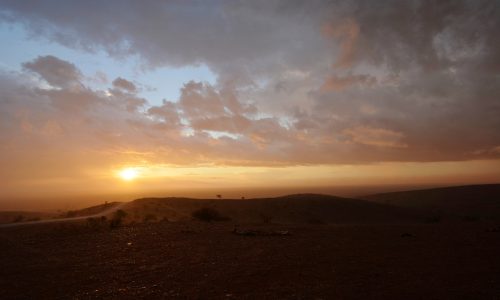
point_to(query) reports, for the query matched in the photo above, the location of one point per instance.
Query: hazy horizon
(80, 201)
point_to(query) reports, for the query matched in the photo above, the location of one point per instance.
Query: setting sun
(128, 174)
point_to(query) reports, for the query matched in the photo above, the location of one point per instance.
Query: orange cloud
(378, 137)
(347, 33)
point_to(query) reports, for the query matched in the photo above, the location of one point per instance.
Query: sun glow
(128, 174)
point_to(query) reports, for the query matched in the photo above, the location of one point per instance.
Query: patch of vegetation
(117, 219)
(207, 214)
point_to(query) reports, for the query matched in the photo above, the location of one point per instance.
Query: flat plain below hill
(293, 247)
(196, 260)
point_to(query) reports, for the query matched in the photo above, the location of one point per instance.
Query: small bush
(117, 219)
(207, 214)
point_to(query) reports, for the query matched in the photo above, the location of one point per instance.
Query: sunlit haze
(116, 100)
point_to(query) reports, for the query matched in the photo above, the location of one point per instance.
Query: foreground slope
(195, 260)
(481, 201)
(300, 208)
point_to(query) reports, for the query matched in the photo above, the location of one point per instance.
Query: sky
(144, 97)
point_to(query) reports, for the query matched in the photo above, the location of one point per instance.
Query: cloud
(166, 114)
(338, 83)
(54, 71)
(298, 83)
(125, 85)
(375, 137)
(347, 32)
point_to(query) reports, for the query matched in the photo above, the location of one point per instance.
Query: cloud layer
(320, 82)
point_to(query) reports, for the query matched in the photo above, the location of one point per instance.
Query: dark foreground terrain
(195, 260)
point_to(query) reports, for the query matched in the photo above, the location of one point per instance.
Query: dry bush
(207, 214)
(117, 219)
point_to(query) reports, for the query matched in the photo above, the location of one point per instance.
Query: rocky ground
(194, 260)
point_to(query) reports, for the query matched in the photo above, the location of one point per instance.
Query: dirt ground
(192, 260)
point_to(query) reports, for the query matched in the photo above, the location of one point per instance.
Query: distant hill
(471, 201)
(300, 208)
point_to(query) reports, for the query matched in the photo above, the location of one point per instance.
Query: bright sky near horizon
(124, 96)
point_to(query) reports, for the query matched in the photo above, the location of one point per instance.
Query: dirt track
(206, 261)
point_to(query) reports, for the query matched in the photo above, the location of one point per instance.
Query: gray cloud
(124, 84)
(315, 82)
(56, 72)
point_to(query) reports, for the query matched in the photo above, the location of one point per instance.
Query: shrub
(207, 214)
(117, 219)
